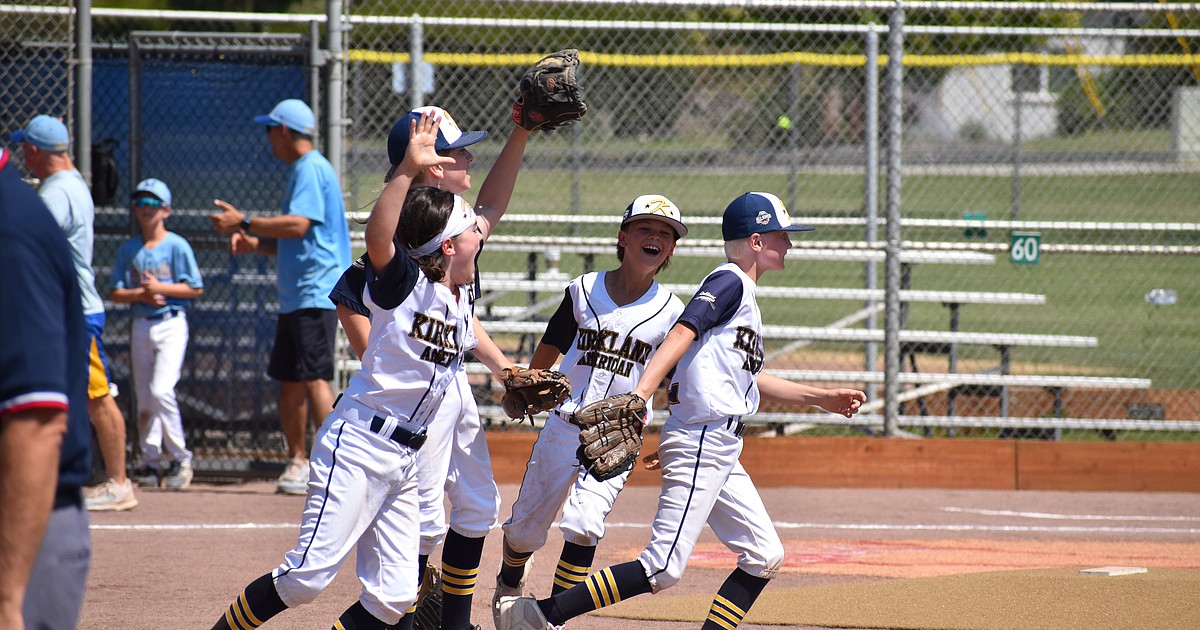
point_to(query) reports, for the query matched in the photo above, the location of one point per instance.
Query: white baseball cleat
(504, 590)
(522, 613)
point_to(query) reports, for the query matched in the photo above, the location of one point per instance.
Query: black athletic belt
(733, 422)
(402, 435)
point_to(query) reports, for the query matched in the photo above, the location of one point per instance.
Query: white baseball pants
(157, 349)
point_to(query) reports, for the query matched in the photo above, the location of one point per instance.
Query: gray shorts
(54, 596)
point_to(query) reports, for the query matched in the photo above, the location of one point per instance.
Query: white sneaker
(110, 496)
(504, 590)
(522, 613)
(294, 479)
(179, 476)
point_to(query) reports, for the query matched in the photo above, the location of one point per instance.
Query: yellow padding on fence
(785, 59)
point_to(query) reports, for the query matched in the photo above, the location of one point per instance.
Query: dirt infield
(179, 558)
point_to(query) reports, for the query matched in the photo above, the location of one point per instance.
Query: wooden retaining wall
(930, 463)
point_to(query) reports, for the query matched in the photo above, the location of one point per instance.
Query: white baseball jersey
(717, 376)
(605, 350)
(419, 333)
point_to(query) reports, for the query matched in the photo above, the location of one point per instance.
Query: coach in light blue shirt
(312, 243)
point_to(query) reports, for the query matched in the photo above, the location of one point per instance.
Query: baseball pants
(157, 349)
(703, 482)
(362, 496)
(554, 479)
(455, 463)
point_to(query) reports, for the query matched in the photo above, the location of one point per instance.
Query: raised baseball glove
(610, 435)
(428, 613)
(549, 95)
(527, 392)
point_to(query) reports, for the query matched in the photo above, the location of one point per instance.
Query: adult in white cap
(311, 240)
(606, 330)
(44, 142)
(713, 358)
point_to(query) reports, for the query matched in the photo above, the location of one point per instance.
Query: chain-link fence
(1044, 180)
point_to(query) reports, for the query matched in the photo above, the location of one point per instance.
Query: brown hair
(426, 210)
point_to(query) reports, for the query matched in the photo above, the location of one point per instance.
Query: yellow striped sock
(239, 616)
(568, 575)
(603, 588)
(724, 613)
(457, 581)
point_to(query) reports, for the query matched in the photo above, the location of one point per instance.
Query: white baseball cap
(655, 207)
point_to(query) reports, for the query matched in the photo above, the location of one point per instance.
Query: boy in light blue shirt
(157, 273)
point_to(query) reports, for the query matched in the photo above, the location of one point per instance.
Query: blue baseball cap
(757, 213)
(155, 187)
(449, 135)
(293, 114)
(44, 132)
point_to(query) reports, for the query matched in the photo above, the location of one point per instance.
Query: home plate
(1109, 571)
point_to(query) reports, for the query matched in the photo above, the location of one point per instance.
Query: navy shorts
(303, 345)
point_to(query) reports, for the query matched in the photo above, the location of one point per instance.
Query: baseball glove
(549, 95)
(428, 613)
(527, 392)
(611, 434)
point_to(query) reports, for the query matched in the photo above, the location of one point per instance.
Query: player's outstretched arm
(668, 354)
(497, 189)
(385, 216)
(843, 402)
(487, 351)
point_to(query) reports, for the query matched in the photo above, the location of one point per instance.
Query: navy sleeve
(349, 288)
(714, 303)
(388, 289)
(562, 328)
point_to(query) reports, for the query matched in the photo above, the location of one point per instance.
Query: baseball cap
(757, 213)
(449, 135)
(155, 187)
(44, 132)
(655, 207)
(293, 114)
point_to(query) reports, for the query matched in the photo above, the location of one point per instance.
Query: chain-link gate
(1044, 181)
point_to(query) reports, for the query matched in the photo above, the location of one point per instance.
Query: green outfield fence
(1027, 169)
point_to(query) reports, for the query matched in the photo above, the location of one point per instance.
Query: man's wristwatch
(246, 224)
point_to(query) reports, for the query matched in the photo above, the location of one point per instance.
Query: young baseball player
(606, 329)
(716, 351)
(362, 487)
(157, 273)
(454, 461)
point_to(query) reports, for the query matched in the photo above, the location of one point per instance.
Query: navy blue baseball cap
(44, 132)
(757, 213)
(449, 135)
(292, 113)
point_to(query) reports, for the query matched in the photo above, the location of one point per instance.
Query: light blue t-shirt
(170, 261)
(70, 201)
(309, 267)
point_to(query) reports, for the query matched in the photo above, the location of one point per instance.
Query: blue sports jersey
(308, 267)
(43, 340)
(171, 261)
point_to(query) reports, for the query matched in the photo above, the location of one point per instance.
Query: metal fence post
(416, 49)
(895, 114)
(871, 193)
(335, 116)
(83, 88)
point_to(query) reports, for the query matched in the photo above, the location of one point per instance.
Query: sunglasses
(147, 202)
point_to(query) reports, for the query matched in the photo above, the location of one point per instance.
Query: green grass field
(1093, 295)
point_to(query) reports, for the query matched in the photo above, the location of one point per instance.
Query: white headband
(462, 218)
